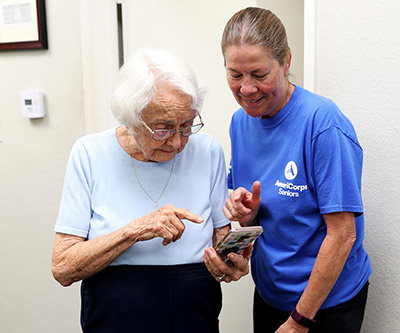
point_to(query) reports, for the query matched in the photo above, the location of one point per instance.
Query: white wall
(358, 67)
(33, 156)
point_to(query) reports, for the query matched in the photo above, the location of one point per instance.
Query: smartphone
(237, 240)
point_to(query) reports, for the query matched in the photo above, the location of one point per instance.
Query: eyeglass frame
(173, 131)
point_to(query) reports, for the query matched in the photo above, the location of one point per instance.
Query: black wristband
(300, 319)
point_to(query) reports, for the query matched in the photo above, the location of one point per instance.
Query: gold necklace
(165, 187)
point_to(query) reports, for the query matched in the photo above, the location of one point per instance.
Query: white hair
(147, 71)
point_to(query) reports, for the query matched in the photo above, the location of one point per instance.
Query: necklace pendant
(155, 205)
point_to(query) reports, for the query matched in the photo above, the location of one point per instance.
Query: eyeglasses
(164, 134)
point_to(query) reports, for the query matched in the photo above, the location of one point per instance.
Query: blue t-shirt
(309, 162)
(101, 194)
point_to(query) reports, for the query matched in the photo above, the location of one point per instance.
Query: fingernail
(200, 219)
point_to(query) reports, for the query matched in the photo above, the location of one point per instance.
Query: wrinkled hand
(243, 205)
(222, 271)
(165, 223)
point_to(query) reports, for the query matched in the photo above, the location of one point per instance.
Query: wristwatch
(300, 319)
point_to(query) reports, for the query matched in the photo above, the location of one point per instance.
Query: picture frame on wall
(23, 25)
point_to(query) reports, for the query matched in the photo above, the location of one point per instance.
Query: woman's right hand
(165, 223)
(243, 205)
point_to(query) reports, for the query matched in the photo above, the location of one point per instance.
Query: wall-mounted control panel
(32, 104)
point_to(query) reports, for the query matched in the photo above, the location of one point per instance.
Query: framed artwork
(22, 25)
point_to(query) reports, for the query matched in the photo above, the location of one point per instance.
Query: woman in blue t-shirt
(296, 169)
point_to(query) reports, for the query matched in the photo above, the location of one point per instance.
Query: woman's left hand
(290, 326)
(222, 271)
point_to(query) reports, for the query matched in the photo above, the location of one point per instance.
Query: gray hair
(147, 71)
(257, 26)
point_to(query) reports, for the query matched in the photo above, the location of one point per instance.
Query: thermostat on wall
(32, 104)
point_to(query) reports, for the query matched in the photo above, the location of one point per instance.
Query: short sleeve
(337, 164)
(75, 208)
(219, 190)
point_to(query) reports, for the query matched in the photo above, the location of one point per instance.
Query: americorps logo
(287, 188)
(291, 170)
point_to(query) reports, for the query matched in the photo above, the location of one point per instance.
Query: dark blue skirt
(179, 298)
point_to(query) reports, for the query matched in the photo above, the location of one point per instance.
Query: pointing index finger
(239, 194)
(182, 213)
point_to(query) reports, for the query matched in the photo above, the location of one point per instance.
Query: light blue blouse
(101, 194)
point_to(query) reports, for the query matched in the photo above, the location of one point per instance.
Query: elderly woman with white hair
(141, 206)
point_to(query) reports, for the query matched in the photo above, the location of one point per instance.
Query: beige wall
(33, 155)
